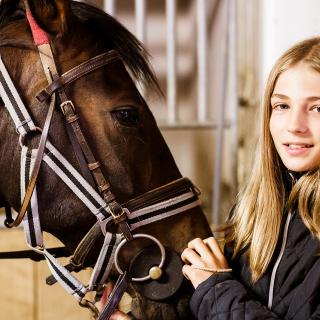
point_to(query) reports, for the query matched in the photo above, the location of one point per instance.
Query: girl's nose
(297, 122)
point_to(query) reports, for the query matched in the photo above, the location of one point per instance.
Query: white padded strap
(74, 180)
(164, 209)
(70, 283)
(105, 260)
(13, 103)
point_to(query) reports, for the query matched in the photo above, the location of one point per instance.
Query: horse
(119, 128)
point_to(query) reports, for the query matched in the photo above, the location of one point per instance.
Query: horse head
(118, 126)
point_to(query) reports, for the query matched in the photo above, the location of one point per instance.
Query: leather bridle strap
(158, 204)
(36, 169)
(77, 72)
(152, 206)
(8, 214)
(115, 296)
(162, 193)
(114, 207)
(50, 70)
(31, 221)
(68, 77)
(68, 110)
(24, 125)
(35, 256)
(7, 210)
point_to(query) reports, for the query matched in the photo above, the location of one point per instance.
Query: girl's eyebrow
(314, 98)
(283, 96)
(279, 95)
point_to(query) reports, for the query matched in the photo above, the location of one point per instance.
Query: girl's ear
(53, 16)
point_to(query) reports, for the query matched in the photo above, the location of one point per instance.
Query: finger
(213, 245)
(185, 271)
(199, 246)
(106, 293)
(190, 256)
(118, 315)
(217, 252)
(189, 271)
(196, 276)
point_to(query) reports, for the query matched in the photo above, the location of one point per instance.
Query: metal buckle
(84, 303)
(64, 104)
(119, 216)
(118, 213)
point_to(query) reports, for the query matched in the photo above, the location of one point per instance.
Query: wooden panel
(23, 292)
(16, 280)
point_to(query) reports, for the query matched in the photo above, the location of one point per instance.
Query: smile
(298, 146)
(298, 149)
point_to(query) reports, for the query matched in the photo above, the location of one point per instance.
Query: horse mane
(115, 36)
(10, 11)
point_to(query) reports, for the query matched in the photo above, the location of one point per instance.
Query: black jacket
(296, 293)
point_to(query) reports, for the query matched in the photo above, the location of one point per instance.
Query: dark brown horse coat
(118, 124)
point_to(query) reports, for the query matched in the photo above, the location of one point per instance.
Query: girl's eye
(316, 109)
(280, 106)
(127, 116)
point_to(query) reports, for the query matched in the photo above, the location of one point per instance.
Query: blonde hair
(255, 223)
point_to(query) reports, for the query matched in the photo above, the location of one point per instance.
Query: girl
(270, 268)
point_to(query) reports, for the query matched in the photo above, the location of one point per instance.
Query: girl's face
(295, 118)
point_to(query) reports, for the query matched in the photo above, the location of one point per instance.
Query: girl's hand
(202, 258)
(117, 314)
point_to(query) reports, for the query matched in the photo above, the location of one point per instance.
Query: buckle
(119, 216)
(89, 305)
(118, 213)
(66, 103)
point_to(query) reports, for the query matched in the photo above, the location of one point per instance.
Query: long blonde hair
(255, 223)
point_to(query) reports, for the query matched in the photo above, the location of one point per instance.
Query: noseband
(91, 187)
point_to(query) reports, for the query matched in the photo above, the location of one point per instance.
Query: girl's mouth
(298, 146)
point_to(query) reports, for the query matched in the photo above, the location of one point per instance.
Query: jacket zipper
(276, 265)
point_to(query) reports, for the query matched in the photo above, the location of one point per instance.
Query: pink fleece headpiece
(39, 35)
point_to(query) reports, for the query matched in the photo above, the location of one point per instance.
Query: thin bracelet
(211, 269)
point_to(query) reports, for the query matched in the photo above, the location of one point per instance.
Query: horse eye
(127, 117)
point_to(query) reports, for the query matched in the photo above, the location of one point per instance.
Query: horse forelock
(117, 37)
(114, 36)
(13, 26)
(10, 10)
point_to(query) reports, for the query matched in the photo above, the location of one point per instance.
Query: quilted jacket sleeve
(223, 297)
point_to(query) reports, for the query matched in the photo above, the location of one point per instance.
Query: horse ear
(53, 16)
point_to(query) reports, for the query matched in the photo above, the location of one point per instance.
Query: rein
(155, 205)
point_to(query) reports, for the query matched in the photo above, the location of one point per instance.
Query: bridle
(91, 187)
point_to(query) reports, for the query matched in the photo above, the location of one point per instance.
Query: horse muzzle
(171, 277)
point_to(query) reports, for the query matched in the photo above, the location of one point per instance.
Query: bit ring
(140, 235)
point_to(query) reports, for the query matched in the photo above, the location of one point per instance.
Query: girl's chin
(300, 167)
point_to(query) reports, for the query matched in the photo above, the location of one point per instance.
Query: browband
(77, 72)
